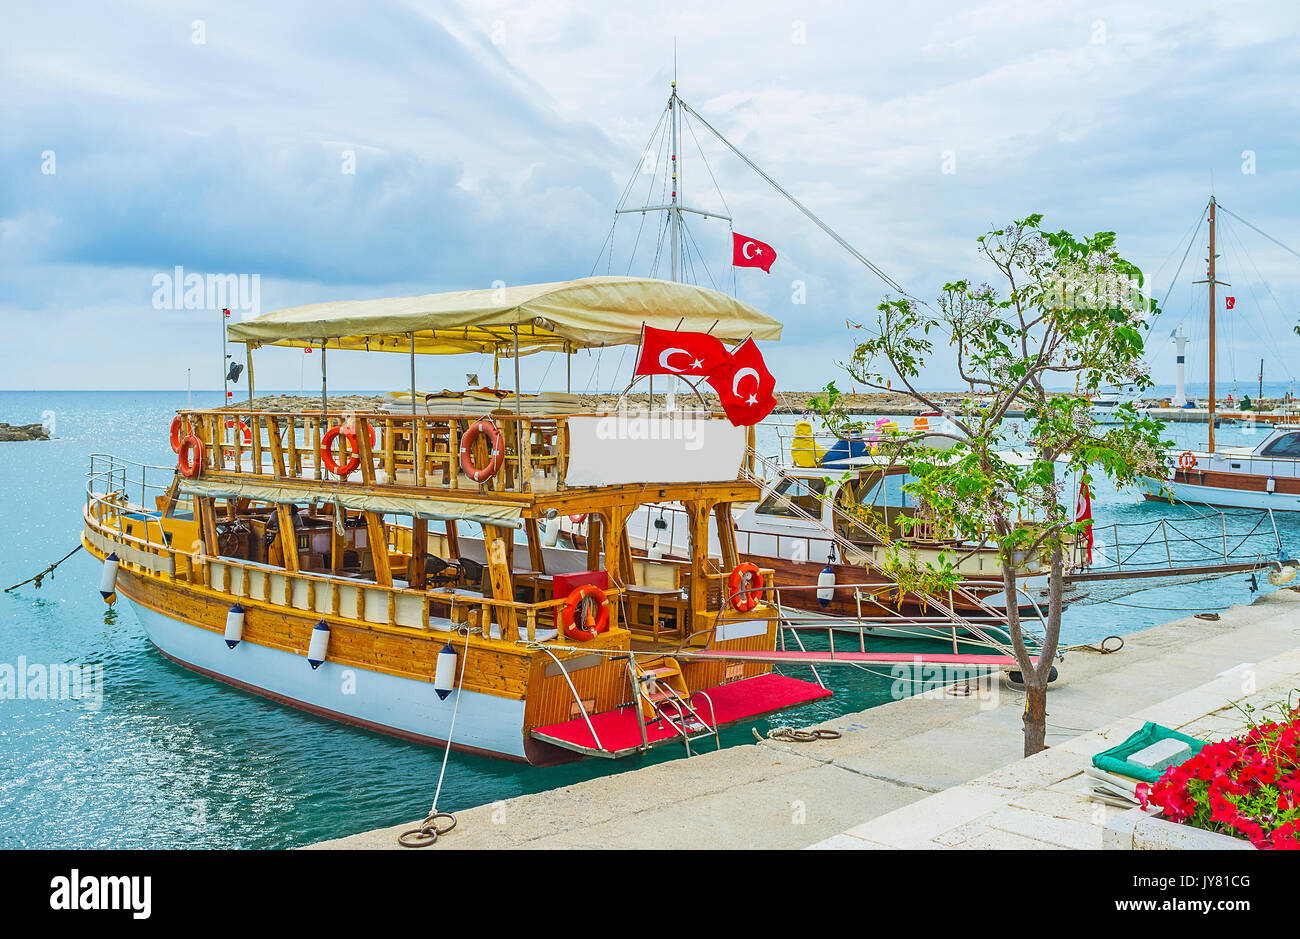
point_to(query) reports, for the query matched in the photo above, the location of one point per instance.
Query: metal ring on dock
(427, 833)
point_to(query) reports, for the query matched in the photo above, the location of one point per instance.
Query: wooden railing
(161, 547)
(407, 449)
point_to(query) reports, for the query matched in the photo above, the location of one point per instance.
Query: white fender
(108, 579)
(1279, 574)
(551, 529)
(320, 643)
(444, 675)
(234, 625)
(826, 585)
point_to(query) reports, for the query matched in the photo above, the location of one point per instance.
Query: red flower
(1247, 785)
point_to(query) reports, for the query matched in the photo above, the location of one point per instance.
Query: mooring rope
(1100, 647)
(37, 578)
(791, 735)
(428, 831)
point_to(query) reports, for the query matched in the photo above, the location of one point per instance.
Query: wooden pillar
(536, 556)
(255, 425)
(499, 568)
(390, 456)
(361, 426)
(726, 535)
(277, 449)
(618, 552)
(288, 537)
(207, 514)
(594, 534)
(378, 548)
(291, 437)
(453, 539)
(698, 514)
(419, 547)
(506, 536)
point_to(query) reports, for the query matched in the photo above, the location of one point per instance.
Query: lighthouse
(1180, 393)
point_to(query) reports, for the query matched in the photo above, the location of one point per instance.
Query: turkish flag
(1230, 302)
(670, 352)
(1083, 513)
(750, 252)
(745, 386)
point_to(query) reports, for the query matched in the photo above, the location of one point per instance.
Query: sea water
(150, 754)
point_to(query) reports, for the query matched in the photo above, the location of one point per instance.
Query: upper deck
(572, 463)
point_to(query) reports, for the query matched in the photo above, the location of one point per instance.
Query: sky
(347, 151)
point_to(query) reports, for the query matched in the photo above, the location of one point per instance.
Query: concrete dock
(898, 775)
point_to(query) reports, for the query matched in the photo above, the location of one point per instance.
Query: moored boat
(1266, 476)
(399, 570)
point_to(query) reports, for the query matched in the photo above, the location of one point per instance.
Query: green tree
(1067, 313)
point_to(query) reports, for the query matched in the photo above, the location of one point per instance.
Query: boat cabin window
(886, 493)
(803, 493)
(1288, 445)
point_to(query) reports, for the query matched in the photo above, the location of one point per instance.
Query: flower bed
(1247, 786)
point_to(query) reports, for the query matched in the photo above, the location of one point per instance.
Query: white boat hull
(1223, 497)
(403, 707)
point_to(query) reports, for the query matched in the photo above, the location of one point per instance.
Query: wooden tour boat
(401, 570)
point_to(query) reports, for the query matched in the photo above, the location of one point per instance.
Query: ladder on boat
(662, 696)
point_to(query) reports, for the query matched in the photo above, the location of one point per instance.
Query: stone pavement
(904, 764)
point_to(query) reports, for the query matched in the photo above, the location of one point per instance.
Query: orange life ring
(596, 623)
(243, 429)
(327, 453)
(578, 519)
(1186, 459)
(180, 427)
(483, 473)
(743, 598)
(190, 457)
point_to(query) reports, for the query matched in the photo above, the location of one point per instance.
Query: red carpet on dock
(619, 733)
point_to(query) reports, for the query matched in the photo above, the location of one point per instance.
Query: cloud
(491, 141)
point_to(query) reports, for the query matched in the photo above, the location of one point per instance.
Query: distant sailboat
(1266, 476)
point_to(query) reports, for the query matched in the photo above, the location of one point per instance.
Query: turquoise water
(174, 759)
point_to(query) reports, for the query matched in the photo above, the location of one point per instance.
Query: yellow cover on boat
(584, 313)
(804, 449)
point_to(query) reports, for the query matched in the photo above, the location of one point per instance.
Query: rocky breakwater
(9, 432)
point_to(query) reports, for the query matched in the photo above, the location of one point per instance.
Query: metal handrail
(569, 681)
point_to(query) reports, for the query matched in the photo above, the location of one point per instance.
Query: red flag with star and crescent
(669, 352)
(746, 386)
(750, 252)
(1083, 513)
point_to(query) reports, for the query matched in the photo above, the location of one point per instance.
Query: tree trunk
(1035, 717)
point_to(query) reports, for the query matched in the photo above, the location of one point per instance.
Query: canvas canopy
(585, 313)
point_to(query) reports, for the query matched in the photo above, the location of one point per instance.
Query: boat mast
(675, 206)
(674, 210)
(1210, 277)
(1212, 282)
